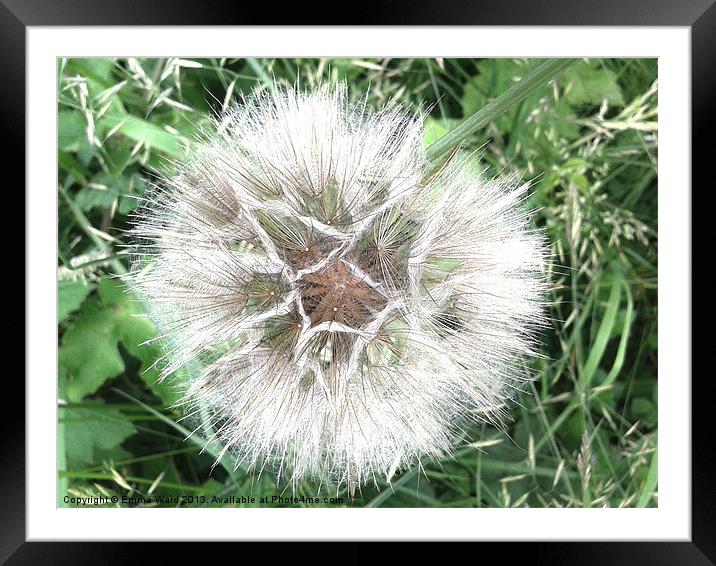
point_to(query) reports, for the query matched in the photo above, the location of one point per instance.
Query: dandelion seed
(350, 307)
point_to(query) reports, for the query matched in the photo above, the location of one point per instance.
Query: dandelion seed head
(342, 308)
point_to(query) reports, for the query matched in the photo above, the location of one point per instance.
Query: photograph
(357, 282)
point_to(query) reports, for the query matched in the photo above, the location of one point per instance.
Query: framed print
(375, 282)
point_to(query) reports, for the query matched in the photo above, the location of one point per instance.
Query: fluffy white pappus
(341, 308)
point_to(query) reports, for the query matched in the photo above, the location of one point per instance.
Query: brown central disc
(336, 293)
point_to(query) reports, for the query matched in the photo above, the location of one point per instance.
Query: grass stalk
(546, 72)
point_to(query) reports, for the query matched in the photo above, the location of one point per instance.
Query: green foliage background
(584, 433)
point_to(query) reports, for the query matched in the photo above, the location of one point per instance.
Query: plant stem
(538, 78)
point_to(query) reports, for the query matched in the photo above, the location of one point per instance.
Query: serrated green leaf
(134, 332)
(90, 348)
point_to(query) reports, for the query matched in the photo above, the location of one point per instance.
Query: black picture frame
(698, 15)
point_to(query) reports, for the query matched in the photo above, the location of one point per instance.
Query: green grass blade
(623, 341)
(603, 334)
(88, 229)
(388, 491)
(226, 462)
(538, 78)
(144, 481)
(261, 73)
(651, 480)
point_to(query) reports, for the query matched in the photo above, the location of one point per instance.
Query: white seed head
(348, 306)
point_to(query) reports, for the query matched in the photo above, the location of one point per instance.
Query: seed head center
(336, 293)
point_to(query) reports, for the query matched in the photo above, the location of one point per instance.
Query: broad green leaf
(141, 130)
(108, 189)
(134, 187)
(90, 348)
(76, 171)
(644, 410)
(71, 130)
(135, 330)
(97, 196)
(588, 83)
(93, 432)
(98, 69)
(70, 296)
